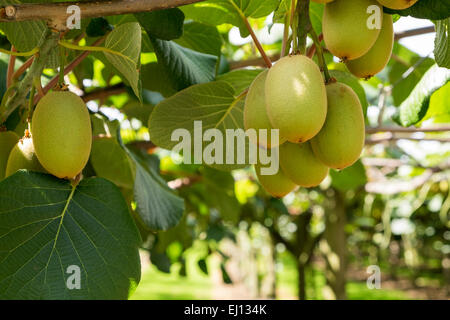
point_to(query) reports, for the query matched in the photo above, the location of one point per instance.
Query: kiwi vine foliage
(162, 70)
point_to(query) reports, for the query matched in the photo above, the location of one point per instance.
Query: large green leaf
(134, 109)
(425, 9)
(162, 24)
(111, 162)
(155, 77)
(315, 15)
(201, 37)
(126, 39)
(405, 72)
(24, 35)
(439, 110)
(48, 226)
(184, 67)
(441, 43)
(414, 108)
(216, 12)
(240, 79)
(198, 37)
(27, 35)
(214, 104)
(159, 207)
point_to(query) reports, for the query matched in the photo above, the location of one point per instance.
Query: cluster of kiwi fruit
(320, 126)
(365, 49)
(59, 142)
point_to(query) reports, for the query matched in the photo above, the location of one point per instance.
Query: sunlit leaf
(126, 39)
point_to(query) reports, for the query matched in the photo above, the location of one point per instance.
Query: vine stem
(22, 68)
(322, 63)
(252, 34)
(30, 106)
(257, 43)
(392, 137)
(11, 65)
(285, 36)
(95, 49)
(24, 86)
(312, 50)
(19, 54)
(293, 26)
(408, 129)
(62, 62)
(304, 24)
(88, 9)
(68, 69)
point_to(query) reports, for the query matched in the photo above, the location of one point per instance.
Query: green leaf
(282, 11)
(162, 24)
(213, 12)
(225, 276)
(27, 35)
(241, 79)
(47, 226)
(414, 108)
(425, 9)
(353, 82)
(316, 14)
(154, 77)
(405, 72)
(3, 72)
(121, 19)
(350, 178)
(214, 104)
(24, 35)
(441, 43)
(85, 70)
(126, 39)
(178, 234)
(439, 110)
(160, 260)
(203, 266)
(184, 66)
(256, 8)
(217, 12)
(201, 37)
(98, 27)
(158, 207)
(219, 188)
(134, 109)
(111, 162)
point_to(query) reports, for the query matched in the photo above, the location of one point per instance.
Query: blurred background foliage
(390, 209)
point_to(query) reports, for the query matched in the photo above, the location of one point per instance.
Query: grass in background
(156, 285)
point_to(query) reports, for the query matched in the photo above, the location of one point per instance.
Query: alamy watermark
(212, 146)
(73, 281)
(376, 17)
(374, 280)
(74, 20)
